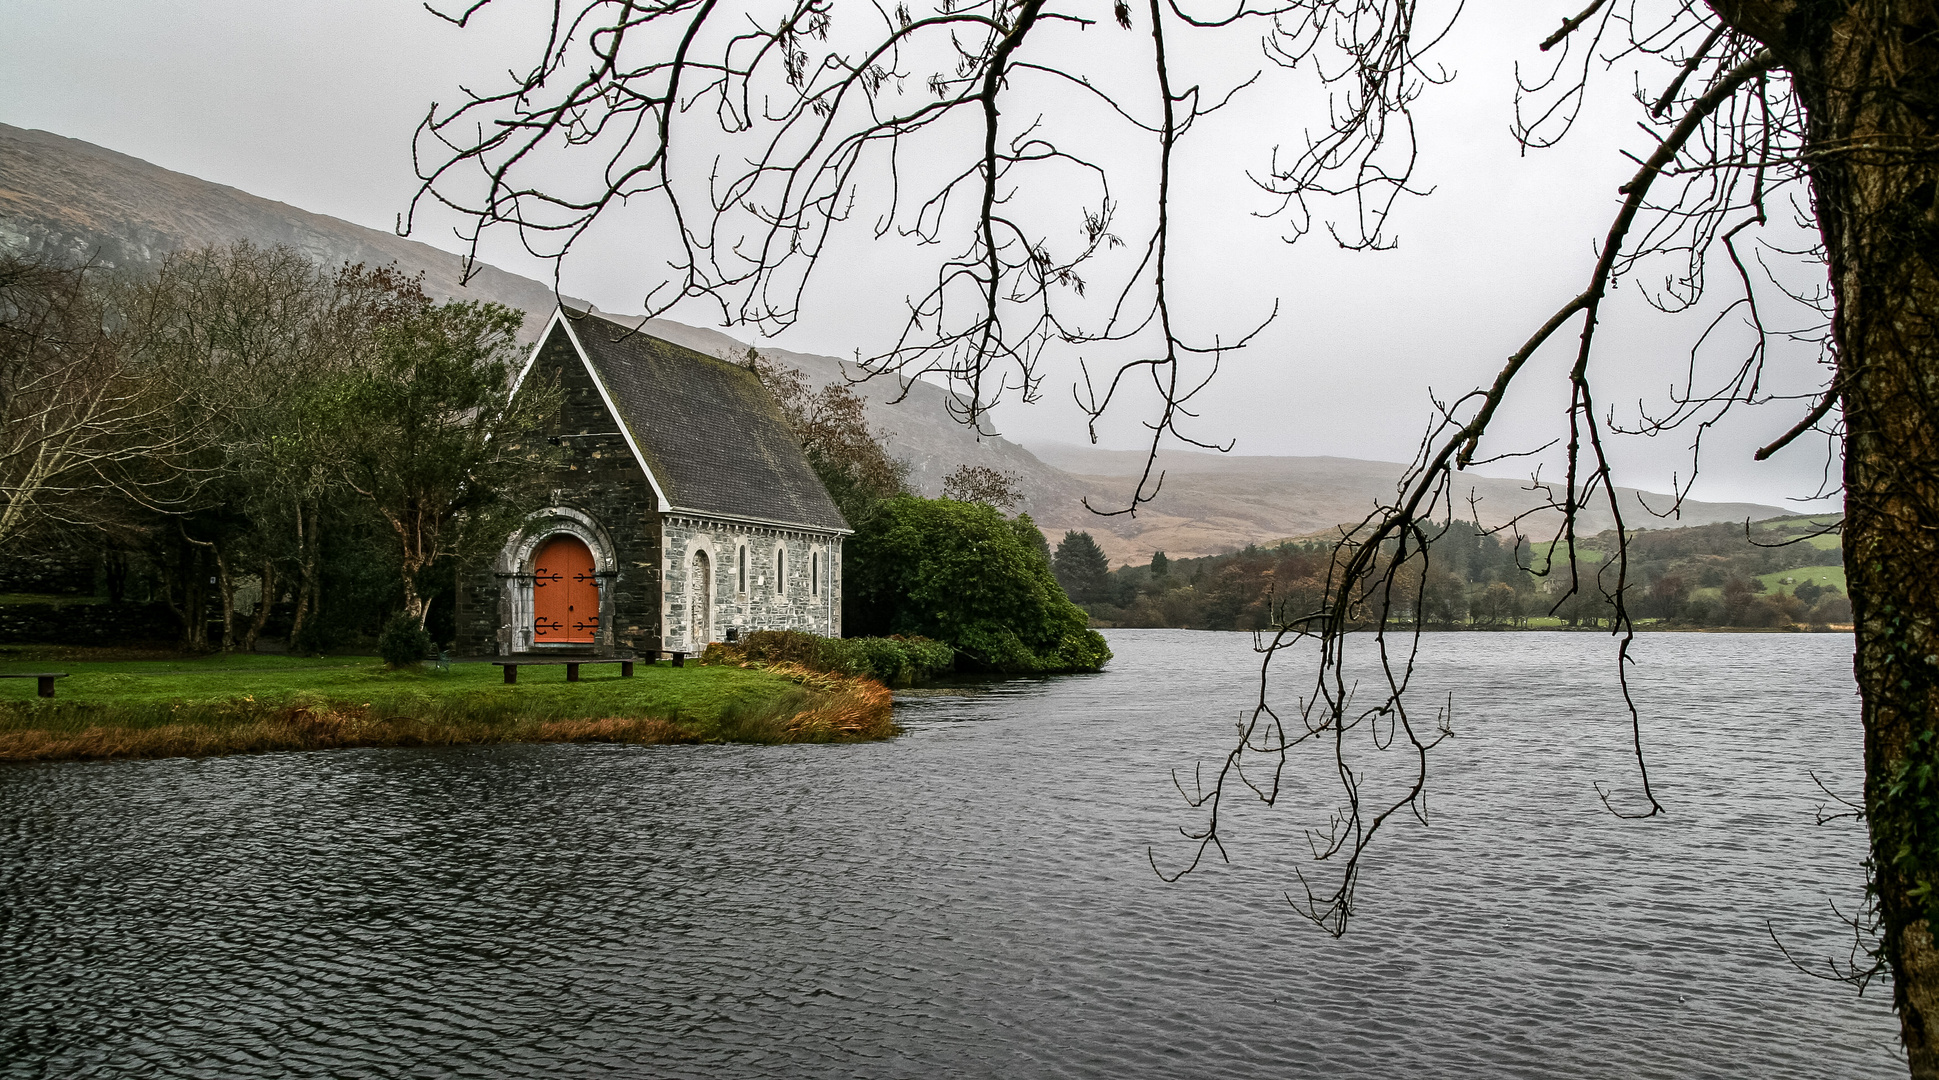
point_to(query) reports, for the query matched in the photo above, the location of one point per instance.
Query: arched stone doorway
(565, 593)
(574, 557)
(700, 595)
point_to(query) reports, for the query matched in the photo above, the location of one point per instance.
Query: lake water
(974, 898)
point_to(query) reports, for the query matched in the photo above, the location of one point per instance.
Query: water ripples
(972, 899)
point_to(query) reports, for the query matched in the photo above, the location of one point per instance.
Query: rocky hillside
(75, 199)
(79, 200)
(1209, 497)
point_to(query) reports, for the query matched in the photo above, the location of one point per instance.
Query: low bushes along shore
(244, 704)
(893, 661)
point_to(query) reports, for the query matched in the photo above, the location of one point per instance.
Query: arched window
(700, 602)
(780, 570)
(740, 575)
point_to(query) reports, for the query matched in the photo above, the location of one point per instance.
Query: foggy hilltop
(73, 199)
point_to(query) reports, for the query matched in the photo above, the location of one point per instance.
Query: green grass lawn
(233, 703)
(656, 689)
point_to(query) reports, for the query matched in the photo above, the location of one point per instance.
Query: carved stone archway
(514, 569)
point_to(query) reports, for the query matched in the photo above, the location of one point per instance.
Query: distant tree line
(1702, 576)
(264, 444)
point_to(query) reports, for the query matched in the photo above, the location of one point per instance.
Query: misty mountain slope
(71, 198)
(75, 199)
(1208, 498)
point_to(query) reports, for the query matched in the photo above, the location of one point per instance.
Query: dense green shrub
(404, 643)
(961, 573)
(895, 661)
(1031, 536)
(1832, 607)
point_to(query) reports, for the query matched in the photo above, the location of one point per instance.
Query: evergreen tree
(1160, 565)
(1082, 569)
(431, 441)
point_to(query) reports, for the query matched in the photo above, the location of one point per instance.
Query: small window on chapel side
(780, 571)
(741, 576)
(814, 573)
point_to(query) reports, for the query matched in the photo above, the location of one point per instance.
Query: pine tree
(1081, 568)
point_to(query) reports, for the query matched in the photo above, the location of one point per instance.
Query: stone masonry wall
(88, 624)
(52, 569)
(805, 601)
(598, 478)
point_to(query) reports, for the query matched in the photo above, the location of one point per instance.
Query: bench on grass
(572, 663)
(46, 679)
(511, 665)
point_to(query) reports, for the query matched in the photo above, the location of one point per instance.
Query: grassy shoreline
(252, 704)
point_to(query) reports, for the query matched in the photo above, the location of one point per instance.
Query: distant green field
(1584, 554)
(1829, 541)
(1774, 581)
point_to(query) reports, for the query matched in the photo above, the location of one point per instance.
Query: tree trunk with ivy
(1868, 75)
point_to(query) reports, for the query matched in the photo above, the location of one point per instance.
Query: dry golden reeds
(847, 709)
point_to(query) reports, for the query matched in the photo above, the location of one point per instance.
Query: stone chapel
(682, 511)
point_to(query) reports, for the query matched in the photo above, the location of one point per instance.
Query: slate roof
(711, 434)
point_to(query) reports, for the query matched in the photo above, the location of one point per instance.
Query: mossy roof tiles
(711, 434)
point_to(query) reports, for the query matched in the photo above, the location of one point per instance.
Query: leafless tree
(241, 332)
(253, 340)
(756, 130)
(831, 423)
(983, 484)
(82, 432)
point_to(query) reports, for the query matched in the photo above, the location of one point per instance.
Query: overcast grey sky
(315, 105)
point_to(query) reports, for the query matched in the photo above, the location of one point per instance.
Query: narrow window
(814, 573)
(741, 577)
(780, 571)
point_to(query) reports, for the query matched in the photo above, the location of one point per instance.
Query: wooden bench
(46, 679)
(571, 662)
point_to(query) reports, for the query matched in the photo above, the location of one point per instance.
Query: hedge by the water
(895, 661)
(961, 573)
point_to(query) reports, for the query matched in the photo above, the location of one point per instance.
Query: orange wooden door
(565, 595)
